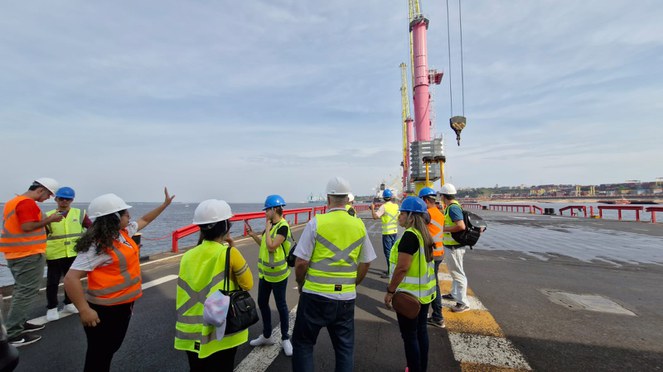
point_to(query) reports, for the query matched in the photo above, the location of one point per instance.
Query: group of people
(333, 256)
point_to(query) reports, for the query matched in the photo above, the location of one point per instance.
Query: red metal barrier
(471, 205)
(653, 211)
(192, 229)
(572, 209)
(515, 208)
(620, 208)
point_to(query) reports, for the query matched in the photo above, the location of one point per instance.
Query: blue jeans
(315, 312)
(415, 340)
(388, 242)
(265, 288)
(437, 302)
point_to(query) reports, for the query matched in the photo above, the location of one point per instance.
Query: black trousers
(221, 361)
(56, 270)
(106, 338)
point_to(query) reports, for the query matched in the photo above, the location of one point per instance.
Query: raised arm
(154, 213)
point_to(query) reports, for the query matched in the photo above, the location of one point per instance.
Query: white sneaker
(71, 308)
(52, 314)
(261, 341)
(287, 347)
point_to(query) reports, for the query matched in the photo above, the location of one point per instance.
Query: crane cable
(462, 64)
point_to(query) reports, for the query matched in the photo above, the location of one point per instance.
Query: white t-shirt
(380, 211)
(90, 260)
(304, 250)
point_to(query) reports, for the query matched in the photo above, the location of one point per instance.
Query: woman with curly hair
(110, 259)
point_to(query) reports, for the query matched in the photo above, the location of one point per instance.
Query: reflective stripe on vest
(202, 273)
(435, 227)
(272, 266)
(64, 234)
(120, 281)
(390, 219)
(448, 239)
(333, 265)
(13, 239)
(417, 283)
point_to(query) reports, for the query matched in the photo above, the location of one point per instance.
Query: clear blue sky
(237, 100)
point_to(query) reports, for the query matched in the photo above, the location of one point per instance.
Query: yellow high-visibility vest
(272, 266)
(338, 242)
(64, 234)
(419, 280)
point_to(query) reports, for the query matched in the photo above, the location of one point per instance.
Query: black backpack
(474, 226)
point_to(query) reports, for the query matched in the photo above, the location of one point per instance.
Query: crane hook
(457, 123)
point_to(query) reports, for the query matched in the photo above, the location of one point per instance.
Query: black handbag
(242, 310)
(290, 258)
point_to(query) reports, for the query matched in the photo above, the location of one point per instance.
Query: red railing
(572, 209)
(515, 208)
(471, 206)
(653, 211)
(192, 229)
(620, 208)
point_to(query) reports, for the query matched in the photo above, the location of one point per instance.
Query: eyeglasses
(63, 199)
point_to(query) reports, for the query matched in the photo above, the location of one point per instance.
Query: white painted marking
(261, 357)
(64, 314)
(495, 351)
(161, 280)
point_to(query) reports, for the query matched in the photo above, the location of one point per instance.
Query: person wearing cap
(333, 257)
(350, 206)
(412, 272)
(454, 251)
(111, 261)
(273, 271)
(388, 215)
(201, 276)
(23, 241)
(60, 253)
(435, 227)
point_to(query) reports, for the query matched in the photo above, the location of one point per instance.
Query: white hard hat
(106, 204)
(351, 197)
(338, 186)
(49, 183)
(448, 189)
(211, 211)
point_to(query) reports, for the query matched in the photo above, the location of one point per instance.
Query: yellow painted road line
(477, 341)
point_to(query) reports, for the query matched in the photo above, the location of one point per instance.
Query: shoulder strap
(226, 284)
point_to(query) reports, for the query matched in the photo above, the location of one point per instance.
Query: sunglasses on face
(63, 199)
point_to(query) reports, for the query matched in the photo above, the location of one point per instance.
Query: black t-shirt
(283, 231)
(409, 243)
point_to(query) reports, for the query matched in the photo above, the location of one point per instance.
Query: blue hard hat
(413, 204)
(387, 193)
(65, 192)
(427, 191)
(274, 201)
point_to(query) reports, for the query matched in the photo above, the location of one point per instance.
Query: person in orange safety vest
(110, 259)
(23, 241)
(435, 227)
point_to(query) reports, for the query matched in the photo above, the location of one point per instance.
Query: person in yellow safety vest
(202, 273)
(350, 206)
(333, 257)
(454, 251)
(413, 273)
(388, 214)
(60, 253)
(110, 260)
(435, 227)
(23, 241)
(273, 271)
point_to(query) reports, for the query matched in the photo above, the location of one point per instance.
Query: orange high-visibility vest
(15, 242)
(119, 282)
(435, 228)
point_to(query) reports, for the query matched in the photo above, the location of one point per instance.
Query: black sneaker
(24, 339)
(29, 327)
(448, 296)
(435, 323)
